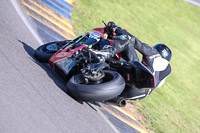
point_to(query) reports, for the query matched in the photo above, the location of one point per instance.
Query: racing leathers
(128, 44)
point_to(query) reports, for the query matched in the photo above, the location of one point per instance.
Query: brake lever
(104, 23)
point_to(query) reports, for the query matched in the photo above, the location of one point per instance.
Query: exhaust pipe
(117, 101)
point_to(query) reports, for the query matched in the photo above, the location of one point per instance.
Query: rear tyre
(111, 86)
(44, 52)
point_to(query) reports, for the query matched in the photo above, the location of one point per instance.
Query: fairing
(62, 61)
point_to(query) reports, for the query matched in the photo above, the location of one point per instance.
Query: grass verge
(173, 108)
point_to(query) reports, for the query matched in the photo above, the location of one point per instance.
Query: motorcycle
(90, 79)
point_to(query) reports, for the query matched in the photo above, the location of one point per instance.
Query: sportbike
(87, 77)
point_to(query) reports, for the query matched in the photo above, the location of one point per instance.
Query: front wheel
(111, 86)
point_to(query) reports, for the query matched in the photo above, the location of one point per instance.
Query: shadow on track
(45, 66)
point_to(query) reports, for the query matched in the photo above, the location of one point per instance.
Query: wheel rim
(108, 77)
(51, 48)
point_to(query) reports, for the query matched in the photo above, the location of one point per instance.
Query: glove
(111, 27)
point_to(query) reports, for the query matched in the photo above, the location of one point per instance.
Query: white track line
(28, 25)
(105, 118)
(193, 2)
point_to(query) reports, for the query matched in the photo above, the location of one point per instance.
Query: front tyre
(111, 86)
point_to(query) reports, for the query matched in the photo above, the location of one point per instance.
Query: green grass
(175, 107)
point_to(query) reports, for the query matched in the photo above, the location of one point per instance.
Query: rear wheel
(110, 87)
(44, 52)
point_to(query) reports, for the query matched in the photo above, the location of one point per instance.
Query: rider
(155, 58)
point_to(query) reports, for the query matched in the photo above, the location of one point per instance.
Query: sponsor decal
(122, 37)
(154, 56)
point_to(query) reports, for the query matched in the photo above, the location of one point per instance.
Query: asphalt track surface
(32, 97)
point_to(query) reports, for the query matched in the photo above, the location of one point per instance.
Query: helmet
(164, 51)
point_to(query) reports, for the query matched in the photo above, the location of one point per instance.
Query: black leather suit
(128, 45)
